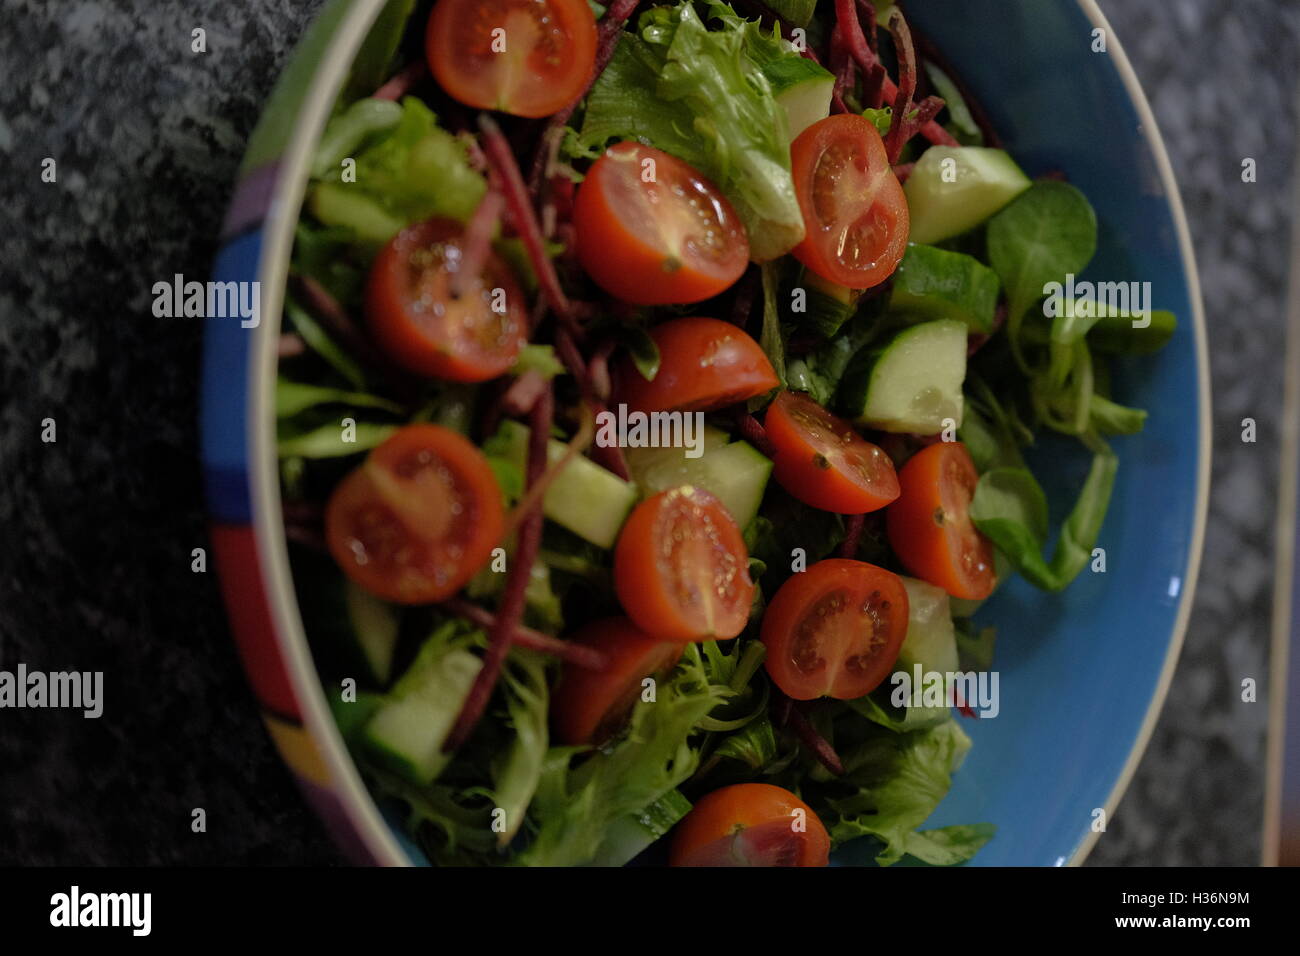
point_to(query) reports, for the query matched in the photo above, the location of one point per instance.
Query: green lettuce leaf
(575, 805)
(702, 96)
(900, 779)
(417, 171)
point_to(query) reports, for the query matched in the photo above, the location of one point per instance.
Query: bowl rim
(360, 808)
(1155, 141)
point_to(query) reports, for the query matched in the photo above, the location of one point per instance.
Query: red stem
(501, 158)
(526, 637)
(402, 81)
(608, 33)
(753, 432)
(817, 745)
(852, 535)
(514, 598)
(477, 245)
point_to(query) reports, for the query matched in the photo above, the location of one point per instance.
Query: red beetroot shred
(510, 613)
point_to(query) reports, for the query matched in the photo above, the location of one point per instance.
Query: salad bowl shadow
(1082, 674)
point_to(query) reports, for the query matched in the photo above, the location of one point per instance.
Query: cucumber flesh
(931, 644)
(640, 458)
(354, 632)
(803, 89)
(629, 836)
(827, 306)
(407, 732)
(931, 639)
(912, 384)
(946, 199)
(735, 473)
(585, 498)
(933, 283)
(375, 625)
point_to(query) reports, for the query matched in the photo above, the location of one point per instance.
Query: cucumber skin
(941, 210)
(584, 498)
(323, 598)
(629, 836)
(855, 387)
(663, 472)
(933, 283)
(428, 695)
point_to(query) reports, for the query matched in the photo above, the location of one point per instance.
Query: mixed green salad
(653, 388)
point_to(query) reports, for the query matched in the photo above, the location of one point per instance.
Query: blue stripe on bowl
(223, 419)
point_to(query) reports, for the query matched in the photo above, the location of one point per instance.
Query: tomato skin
(587, 705)
(463, 340)
(681, 569)
(705, 364)
(641, 242)
(929, 526)
(816, 624)
(390, 526)
(853, 206)
(544, 67)
(750, 824)
(823, 461)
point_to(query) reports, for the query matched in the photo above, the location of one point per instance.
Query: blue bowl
(1082, 674)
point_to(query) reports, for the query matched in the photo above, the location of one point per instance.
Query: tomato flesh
(591, 706)
(750, 824)
(853, 206)
(418, 518)
(423, 327)
(526, 57)
(681, 569)
(674, 239)
(929, 526)
(835, 630)
(823, 461)
(704, 364)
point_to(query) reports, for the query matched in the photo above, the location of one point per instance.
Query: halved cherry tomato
(823, 461)
(703, 364)
(681, 569)
(853, 206)
(418, 518)
(750, 824)
(419, 323)
(591, 706)
(653, 231)
(835, 629)
(525, 57)
(929, 525)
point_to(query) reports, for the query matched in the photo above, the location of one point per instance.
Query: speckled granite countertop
(94, 559)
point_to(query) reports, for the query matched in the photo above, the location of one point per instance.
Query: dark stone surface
(97, 528)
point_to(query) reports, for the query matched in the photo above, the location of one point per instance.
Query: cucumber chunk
(827, 306)
(585, 498)
(628, 836)
(931, 639)
(407, 732)
(931, 644)
(354, 631)
(933, 283)
(640, 458)
(735, 473)
(911, 384)
(803, 89)
(946, 199)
